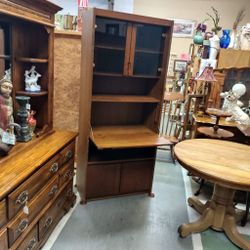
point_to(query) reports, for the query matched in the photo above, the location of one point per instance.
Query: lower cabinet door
(30, 241)
(102, 180)
(136, 176)
(3, 240)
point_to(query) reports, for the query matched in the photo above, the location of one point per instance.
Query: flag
(82, 3)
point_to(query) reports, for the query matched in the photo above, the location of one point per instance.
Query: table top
(206, 119)
(222, 162)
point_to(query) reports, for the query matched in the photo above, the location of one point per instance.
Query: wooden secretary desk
(123, 72)
(36, 177)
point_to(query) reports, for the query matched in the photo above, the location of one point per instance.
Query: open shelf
(120, 75)
(32, 94)
(131, 136)
(107, 74)
(31, 60)
(124, 98)
(5, 57)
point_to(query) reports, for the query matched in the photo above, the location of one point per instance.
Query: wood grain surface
(126, 137)
(14, 170)
(222, 162)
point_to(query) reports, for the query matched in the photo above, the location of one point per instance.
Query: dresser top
(18, 166)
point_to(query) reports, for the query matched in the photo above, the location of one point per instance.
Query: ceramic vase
(198, 38)
(214, 47)
(23, 134)
(225, 39)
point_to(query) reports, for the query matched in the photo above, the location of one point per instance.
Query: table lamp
(206, 76)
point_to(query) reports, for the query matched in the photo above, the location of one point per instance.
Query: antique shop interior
(124, 125)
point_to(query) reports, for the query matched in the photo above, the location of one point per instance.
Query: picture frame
(184, 28)
(180, 65)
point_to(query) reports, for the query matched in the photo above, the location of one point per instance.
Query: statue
(7, 137)
(31, 78)
(232, 105)
(245, 37)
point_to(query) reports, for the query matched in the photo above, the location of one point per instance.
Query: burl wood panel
(67, 54)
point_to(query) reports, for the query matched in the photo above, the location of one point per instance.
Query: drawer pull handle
(48, 221)
(68, 174)
(54, 167)
(23, 197)
(69, 154)
(53, 190)
(22, 225)
(32, 244)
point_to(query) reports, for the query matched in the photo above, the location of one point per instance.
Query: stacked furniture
(37, 176)
(124, 61)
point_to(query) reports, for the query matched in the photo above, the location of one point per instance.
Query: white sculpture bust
(232, 104)
(31, 79)
(245, 37)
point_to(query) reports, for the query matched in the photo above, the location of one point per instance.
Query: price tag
(8, 138)
(27, 106)
(26, 209)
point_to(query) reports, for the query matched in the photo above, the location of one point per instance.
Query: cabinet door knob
(159, 69)
(23, 197)
(54, 167)
(32, 244)
(53, 190)
(22, 225)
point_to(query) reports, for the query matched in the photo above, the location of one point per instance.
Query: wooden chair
(171, 122)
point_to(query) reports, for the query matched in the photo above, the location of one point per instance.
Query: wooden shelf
(115, 137)
(6, 57)
(124, 98)
(102, 46)
(32, 94)
(121, 75)
(32, 60)
(148, 51)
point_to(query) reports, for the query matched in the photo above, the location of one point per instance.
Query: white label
(28, 106)
(26, 209)
(8, 138)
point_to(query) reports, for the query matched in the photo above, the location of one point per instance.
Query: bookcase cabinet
(123, 72)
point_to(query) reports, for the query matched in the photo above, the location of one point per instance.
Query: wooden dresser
(36, 190)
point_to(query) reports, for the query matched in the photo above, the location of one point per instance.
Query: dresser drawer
(66, 172)
(31, 241)
(67, 153)
(3, 213)
(52, 216)
(3, 240)
(21, 222)
(24, 193)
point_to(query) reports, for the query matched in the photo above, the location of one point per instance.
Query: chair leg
(201, 186)
(172, 153)
(244, 219)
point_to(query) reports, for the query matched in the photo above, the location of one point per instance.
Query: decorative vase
(225, 39)
(214, 47)
(198, 38)
(23, 134)
(32, 122)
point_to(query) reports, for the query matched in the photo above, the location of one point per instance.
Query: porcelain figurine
(232, 104)
(214, 47)
(31, 79)
(245, 37)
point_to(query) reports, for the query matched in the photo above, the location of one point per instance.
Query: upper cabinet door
(147, 46)
(110, 45)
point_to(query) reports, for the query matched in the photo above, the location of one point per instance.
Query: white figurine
(245, 37)
(31, 78)
(232, 104)
(7, 75)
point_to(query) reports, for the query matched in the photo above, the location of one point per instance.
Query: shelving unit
(122, 84)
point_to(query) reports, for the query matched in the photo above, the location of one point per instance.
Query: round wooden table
(227, 165)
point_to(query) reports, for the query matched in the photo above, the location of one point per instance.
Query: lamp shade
(207, 75)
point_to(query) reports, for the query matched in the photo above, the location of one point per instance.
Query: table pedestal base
(219, 214)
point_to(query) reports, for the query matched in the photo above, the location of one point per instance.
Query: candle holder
(23, 134)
